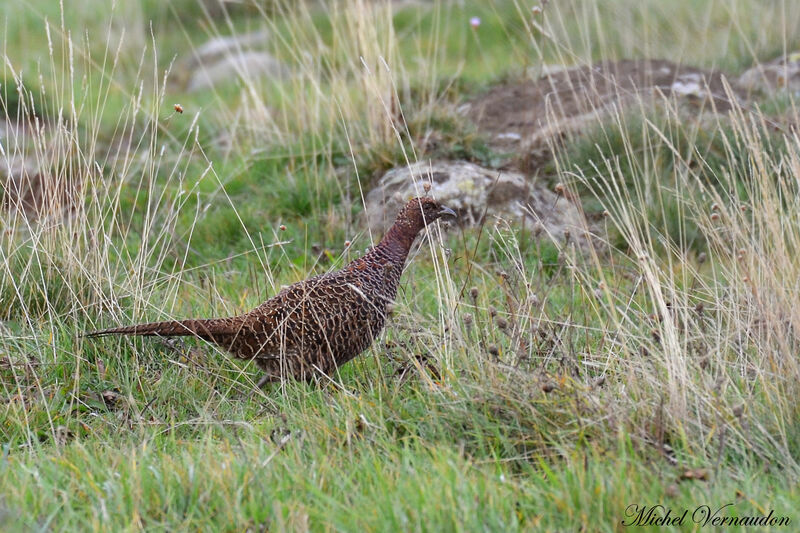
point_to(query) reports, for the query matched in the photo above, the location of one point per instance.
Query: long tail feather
(203, 328)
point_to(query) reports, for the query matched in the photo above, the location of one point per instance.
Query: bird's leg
(266, 378)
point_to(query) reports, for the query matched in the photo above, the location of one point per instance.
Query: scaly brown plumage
(318, 324)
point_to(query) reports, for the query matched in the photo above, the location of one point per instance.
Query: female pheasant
(319, 324)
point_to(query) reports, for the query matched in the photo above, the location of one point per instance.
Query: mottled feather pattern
(318, 324)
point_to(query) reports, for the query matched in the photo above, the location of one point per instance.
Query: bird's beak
(446, 211)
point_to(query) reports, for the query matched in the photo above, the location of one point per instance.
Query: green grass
(357, 479)
(520, 385)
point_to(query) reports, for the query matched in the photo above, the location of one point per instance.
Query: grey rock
(223, 59)
(472, 191)
(227, 45)
(780, 74)
(244, 65)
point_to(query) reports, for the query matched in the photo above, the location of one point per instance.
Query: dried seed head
(699, 308)
(738, 410)
(715, 207)
(493, 350)
(743, 208)
(390, 308)
(606, 214)
(501, 322)
(467, 319)
(536, 10)
(282, 227)
(567, 236)
(347, 244)
(492, 311)
(549, 387)
(559, 188)
(426, 186)
(178, 108)
(655, 334)
(473, 293)
(701, 257)
(715, 216)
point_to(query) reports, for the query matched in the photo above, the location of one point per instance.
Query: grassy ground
(521, 384)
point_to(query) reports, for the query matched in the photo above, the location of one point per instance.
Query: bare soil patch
(523, 116)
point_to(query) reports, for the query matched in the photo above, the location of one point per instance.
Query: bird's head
(419, 212)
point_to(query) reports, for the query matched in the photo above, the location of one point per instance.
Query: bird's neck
(397, 243)
(393, 249)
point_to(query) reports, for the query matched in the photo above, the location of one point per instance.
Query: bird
(314, 326)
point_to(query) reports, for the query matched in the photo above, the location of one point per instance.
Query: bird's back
(318, 324)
